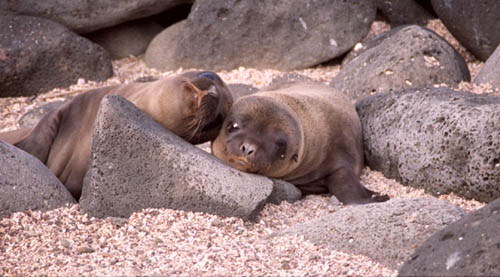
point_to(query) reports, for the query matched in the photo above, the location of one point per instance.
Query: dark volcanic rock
(468, 247)
(490, 72)
(386, 232)
(87, 16)
(402, 12)
(37, 55)
(475, 24)
(283, 35)
(136, 163)
(130, 38)
(438, 139)
(27, 184)
(405, 57)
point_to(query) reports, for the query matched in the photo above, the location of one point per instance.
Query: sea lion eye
(281, 147)
(233, 127)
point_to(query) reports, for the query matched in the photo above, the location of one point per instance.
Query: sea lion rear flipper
(39, 142)
(344, 184)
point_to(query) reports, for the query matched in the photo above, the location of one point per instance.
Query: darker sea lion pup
(306, 133)
(193, 105)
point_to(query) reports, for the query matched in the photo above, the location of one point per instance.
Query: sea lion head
(260, 135)
(198, 108)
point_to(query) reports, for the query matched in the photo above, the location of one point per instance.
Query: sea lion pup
(306, 133)
(193, 105)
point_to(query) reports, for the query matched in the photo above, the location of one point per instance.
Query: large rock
(88, 16)
(386, 232)
(490, 71)
(37, 55)
(475, 24)
(468, 247)
(130, 38)
(438, 139)
(402, 12)
(27, 184)
(284, 35)
(405, 57)
(136, 163)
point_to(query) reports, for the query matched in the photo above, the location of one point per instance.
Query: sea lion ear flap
(197, 93)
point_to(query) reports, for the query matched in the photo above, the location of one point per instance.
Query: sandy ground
(168, 242)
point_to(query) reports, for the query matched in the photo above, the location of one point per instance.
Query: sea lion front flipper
(39, 142)
(344, 184)
(14, 137)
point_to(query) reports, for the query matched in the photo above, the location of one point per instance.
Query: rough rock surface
(405, 57)
(284, 35)
(438, 139)
(468, 247)
(284, 191)
(136, 163)
(27, 184)
(490, 72)
(130, 38)
(88, 16)
(476, 24)
(386, 232)
(37, 55)
(402, 12)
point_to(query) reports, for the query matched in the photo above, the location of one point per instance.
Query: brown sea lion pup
(193, 105)
(306, 133)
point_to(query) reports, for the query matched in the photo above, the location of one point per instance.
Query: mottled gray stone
(467, 247)
(37, 55)
(27, 184)
(402, 12)
(490, 71)
(284, 191)
(438, 139)
(136, 163)
(405, 57)
(127, 39)
(87, 16)
(284, 35)
(387, 232)
(475, 24)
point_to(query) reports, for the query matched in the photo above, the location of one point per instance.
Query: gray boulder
(438, 139)
(468, 247)
(386, 232)
(490, 71)
(136, 163)
(88, 16)
(37, 55)
(27, 184)
(405, 57)
(284, 35)
(402, 12)
(284, 191)
(475, 24)
(130, 38)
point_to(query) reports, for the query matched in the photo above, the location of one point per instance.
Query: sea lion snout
(248, 149)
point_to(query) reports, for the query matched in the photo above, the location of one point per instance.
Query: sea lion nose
(248, 149)
(207, 74)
